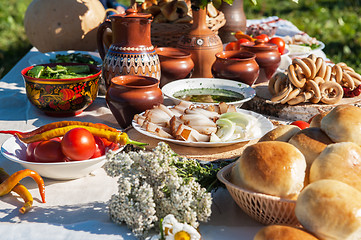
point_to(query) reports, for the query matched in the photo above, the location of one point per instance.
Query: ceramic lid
(260, 44)
(133, 13)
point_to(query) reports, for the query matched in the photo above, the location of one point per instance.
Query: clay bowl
(62, 97)
(174, 64)
(236, 65)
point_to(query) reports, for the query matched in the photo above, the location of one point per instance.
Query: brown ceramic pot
(131, 51)
(267, 57)
(235, 20)
(174, 64)
(202, 43)
(132, 94)
(236, 65)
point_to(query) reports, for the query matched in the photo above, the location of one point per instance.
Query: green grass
(336, 23)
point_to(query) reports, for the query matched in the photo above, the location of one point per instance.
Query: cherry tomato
(232, 46)
(100, 147)
(30, 151)
(78, 144)
(49, 151)
(263, 37)
(243, 40)
(281, 44)
(301, 124)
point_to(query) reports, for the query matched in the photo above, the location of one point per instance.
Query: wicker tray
(263, 208)
(168, 34)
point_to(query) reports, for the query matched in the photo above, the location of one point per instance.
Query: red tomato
(78, 144)
(243, 40)
(301, 124)
(49, 151)
(232, 46)
(30, 151)
(100, 147)
(263, 37)
(281, 44)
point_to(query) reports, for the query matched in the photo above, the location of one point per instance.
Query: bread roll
(273, 167)
(316, 120)
(330, 209)
(343, 124)
(281, 133)
(311, 142)
(339, 161)
(280, 232)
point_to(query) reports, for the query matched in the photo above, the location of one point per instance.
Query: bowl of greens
(62, 89)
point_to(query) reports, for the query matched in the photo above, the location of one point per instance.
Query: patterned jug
(131, 51)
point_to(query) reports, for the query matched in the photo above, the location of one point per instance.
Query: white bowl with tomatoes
(73, 156)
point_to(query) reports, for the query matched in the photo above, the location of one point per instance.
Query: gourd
(53, 25)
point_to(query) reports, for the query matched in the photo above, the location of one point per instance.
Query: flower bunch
(150, 188)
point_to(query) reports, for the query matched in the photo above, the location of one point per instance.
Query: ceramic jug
(131, 51)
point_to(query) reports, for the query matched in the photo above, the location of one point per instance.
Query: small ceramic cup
(236, 65)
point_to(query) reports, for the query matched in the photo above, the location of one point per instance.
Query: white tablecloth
(77, 209)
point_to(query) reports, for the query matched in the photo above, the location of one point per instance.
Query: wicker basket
(168, 34)
(265, 209)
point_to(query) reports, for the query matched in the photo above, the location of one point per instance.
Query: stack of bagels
(319, 167)
(310, 79)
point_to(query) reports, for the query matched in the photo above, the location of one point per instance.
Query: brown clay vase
(235, 20)
(174, 64)
(267, 57)
(202, 43)
(131, 51)
(236, 65)
(132, 94)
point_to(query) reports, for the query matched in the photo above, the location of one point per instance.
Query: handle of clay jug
(100, 33)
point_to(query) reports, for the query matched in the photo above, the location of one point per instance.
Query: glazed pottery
(62, 97)
(131, 51)
(235, 20)
(202, 43)
(132, 94)
(267, 57)
(174, 64)
(236, 65)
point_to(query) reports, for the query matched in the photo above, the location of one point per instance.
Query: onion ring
(318, 63)
(356, 77)
(312, 57)
(271, 83)
(347, 68)
(305, 69)
(331, 92)
(280, 84)
(293, 78)
(318, 80)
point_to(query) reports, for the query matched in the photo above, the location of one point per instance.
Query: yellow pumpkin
(53, 25)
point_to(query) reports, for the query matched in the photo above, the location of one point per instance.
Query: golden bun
(281, 133)
(343, 124)
(311, 142)
(281, 232)
(316, 120)
(330, 209)
(272, 167)
(339, 161)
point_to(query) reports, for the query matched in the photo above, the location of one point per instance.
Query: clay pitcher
(202, 43)
(131, 51)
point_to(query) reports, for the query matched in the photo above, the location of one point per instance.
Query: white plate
(43, 58)
(264, 123)
(15, 150)
(170, 88)
(298, 54)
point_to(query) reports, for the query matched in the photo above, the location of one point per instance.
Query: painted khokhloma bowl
(62, 97)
